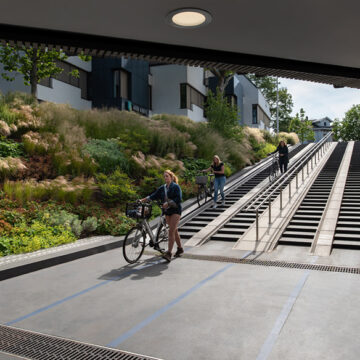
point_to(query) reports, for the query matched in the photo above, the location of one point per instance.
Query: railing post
(311, 163)
(281, 199)
(257, 225)
(302, 174)
(270, 210)
(297, 184)
(290, 190)
(307, 168)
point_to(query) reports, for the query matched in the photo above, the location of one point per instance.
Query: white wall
(75, 60)
(166, 89)
(62, 93)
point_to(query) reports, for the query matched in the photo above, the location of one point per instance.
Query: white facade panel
(75, 60)
(195, 78)
(166, 89)
(63, 93)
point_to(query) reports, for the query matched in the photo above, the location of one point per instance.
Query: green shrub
(25, 238)
(71, 222)
(116, 187)
(114, 225)
(193, 167)
(107, 154)
(265, 149)
(11, 148)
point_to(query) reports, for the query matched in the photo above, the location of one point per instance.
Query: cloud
(320, 100)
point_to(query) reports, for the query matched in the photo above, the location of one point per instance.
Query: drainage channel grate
(32, 345)
(283, 264)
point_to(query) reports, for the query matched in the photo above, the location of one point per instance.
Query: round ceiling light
(188, 18)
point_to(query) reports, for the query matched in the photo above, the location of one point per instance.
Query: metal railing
(278, 185)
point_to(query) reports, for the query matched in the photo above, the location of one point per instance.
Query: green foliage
(302, 126)
(107, 154)
(349, 128)
(24, 238)
(268, 86)
(33, 63)
(222, 116)
(115, 225)
(265, 149)
(194, 167)
(11, 148)
(71, 222)
(116, 187)
(149, 183)
(5, 113)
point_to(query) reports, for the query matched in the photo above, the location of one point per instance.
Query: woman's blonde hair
(173, 176)
(217, 158)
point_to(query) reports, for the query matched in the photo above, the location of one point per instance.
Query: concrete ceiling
(295, 36)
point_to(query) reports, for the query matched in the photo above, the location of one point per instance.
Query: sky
(320, 100)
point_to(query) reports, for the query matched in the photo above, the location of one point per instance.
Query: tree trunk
(34, 74)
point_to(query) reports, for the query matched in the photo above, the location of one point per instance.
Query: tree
(222, 116)
(224, 77)
(268, 86)
(302, 126)
(33, 63)
(349, 128)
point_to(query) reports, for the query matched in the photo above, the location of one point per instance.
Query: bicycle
(205, 188)
(141, 235)
(274, 168)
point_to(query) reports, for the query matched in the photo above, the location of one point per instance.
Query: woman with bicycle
(218, 168)
(283, 155)
(170, 196)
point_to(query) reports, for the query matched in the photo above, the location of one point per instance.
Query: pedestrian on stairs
(283, 155)
(218, 168)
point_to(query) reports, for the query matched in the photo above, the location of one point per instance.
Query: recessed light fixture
(188, 18)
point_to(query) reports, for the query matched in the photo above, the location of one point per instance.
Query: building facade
(253, 109)
(62, 88)
(321, 128)
(148, 89)
(179, 90)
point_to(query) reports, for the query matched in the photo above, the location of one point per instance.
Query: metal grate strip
(36, 346)
(283, 264)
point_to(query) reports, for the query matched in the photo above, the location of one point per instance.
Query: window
(258, 115)
(190, 96)
(66, 77)
(150, 97)
(232, 100)
(121, 84)
(45, 82)
(325, 123)
(254, 114)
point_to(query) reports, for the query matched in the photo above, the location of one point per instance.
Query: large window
(121, 84)
(258, 115)
(190, 96)
(66, 77)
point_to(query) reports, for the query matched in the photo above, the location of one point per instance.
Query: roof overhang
(305, 40)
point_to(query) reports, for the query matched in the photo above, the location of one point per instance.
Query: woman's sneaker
(179, 251)
(167, 256)
(214, 206)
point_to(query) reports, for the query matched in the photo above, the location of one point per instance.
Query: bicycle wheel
(162, 238)
(134, 244)
(201, 195)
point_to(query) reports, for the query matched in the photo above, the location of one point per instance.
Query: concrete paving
(192, 309)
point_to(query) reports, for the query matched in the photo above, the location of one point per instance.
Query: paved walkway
(193, 309)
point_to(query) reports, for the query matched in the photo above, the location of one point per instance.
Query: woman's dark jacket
(282, 150)
(173, 193)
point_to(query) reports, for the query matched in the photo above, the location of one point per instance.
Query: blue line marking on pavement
(280, 321)
(59, 302)
(159, 312)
